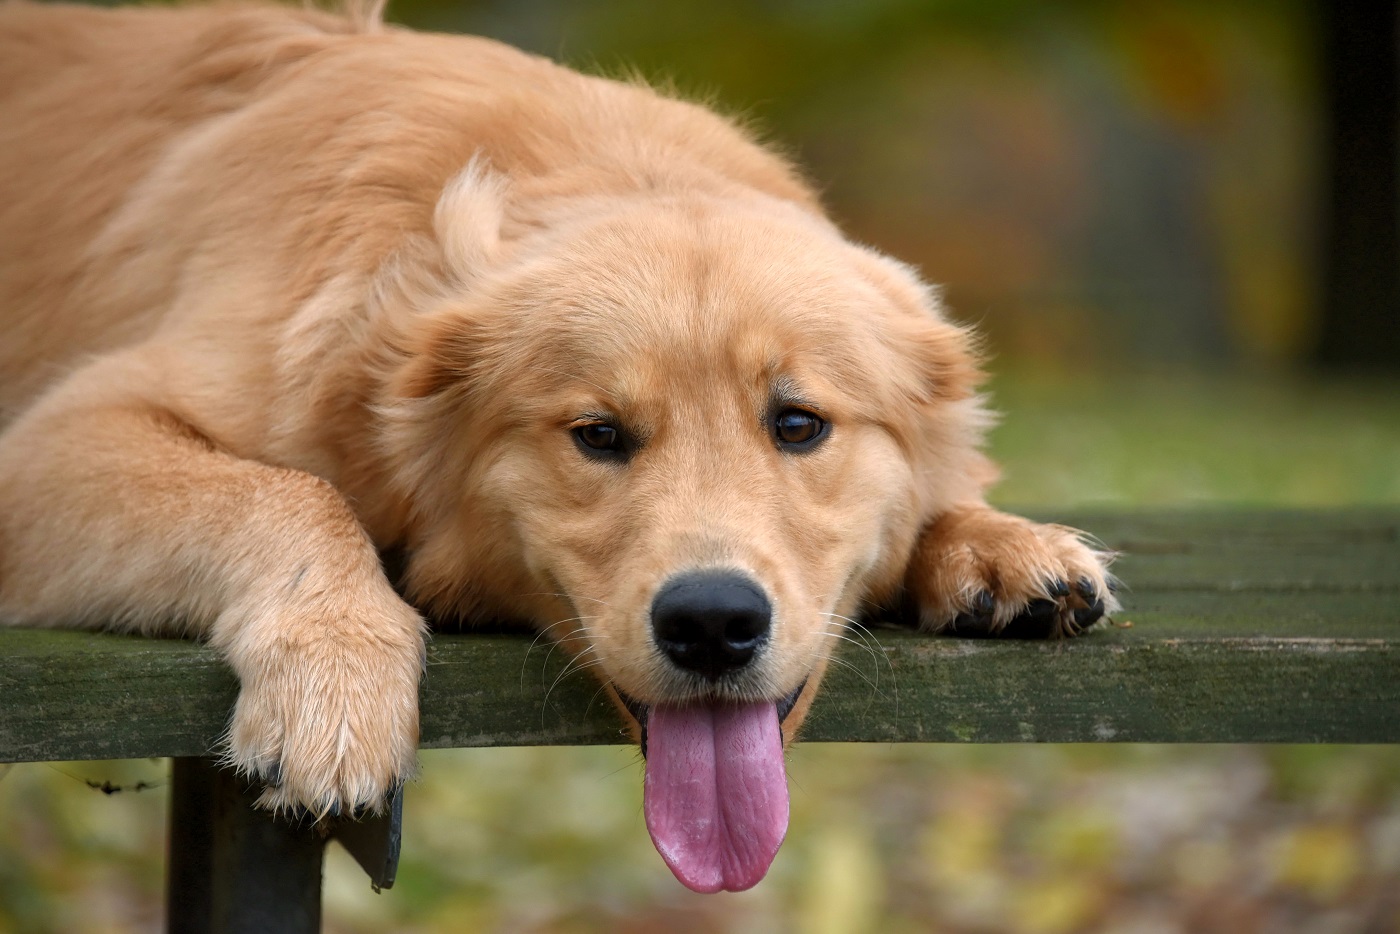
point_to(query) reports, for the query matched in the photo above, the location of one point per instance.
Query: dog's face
(698, 442)
(688, 407)
(691, 436)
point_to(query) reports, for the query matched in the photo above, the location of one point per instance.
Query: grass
(1162, 440)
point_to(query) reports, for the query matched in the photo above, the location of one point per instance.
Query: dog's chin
(716, 799)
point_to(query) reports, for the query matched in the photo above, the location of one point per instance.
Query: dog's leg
(116, 512)
(977, 571)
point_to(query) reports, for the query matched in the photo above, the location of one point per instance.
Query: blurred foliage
(1034, 839)
(1089, 180)
(1100, 186)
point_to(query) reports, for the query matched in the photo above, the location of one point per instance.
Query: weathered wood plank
(1247, 627)
(1260, 551)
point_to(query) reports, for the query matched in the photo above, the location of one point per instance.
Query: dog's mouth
(716, 798)
(641, 712)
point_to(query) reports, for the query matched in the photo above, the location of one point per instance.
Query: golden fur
(281, 288)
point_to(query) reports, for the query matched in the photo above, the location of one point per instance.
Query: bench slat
(1247, 627)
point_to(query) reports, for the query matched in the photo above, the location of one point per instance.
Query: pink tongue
(716, 792)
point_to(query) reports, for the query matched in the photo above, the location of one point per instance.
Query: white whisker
(863, 646)
(581, 630)
(833, 660)
(567, 596)
(544, 632)
(576, 664)
(867, 637)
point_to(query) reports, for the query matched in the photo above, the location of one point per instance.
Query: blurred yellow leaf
(1322, 860)
(1076, 838)
(961, 844)
(846, 886)
(1056, 905)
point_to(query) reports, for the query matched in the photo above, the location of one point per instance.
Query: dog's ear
(945, 357)
(935, 375)
(439, 354)
(468, 219)
(440, 346)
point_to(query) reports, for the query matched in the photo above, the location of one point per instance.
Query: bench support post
(234, 868)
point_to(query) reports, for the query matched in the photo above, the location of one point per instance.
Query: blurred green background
(1124, 197)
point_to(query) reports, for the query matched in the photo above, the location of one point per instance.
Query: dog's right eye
(599, 439)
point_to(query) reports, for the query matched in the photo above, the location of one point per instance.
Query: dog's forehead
(662, 355)
(684, 293)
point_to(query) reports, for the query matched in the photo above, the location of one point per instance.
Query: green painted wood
(1247, 627)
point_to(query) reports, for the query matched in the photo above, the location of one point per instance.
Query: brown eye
(599, 440)
(798, 428)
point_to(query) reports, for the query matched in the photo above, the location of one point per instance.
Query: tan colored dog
(281, 288)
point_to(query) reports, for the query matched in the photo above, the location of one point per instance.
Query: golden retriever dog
(283, 289)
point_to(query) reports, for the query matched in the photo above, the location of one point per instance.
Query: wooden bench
(1246, 627)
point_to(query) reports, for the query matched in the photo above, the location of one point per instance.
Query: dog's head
(692, 433)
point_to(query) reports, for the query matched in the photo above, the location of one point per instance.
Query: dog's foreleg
(117, 512)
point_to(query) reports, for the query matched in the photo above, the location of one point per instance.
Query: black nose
(711, 622)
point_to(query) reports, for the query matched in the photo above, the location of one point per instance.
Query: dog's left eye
(599, 439)
(798, 428)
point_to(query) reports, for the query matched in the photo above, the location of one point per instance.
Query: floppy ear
(945, 357)
(431, 403)
(468, 218)
(440, 345)
(936, 374)
(439, 355)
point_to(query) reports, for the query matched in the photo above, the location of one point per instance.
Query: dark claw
(1091, 614)
(966, 624)
(333, 810)
(1087, 590)
(361, 811)
(1036, 621)
(1057, 588)
(272, 775)
(978, 620)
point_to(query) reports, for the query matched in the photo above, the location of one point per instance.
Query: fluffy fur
(281, 289)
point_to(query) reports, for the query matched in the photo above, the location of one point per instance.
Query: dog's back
(133, 141)
(90, 100)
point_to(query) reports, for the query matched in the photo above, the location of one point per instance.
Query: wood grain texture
(1247, 627)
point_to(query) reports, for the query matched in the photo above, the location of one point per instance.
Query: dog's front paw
(981, 572)
(327, 716)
